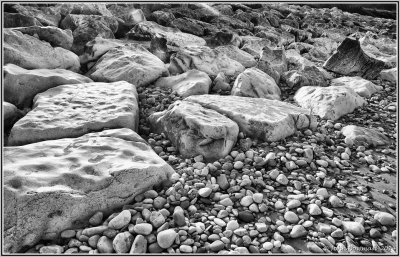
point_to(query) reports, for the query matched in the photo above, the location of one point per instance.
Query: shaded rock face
(83, 9)
(74, 110)
(97, 47)
(233, 52)
(204, 59)
(254, 45)
(87, 27)
(158, 47)
(195, 130)
(21, 85)
(192, 82)
(350, 59)
(226, 37)
(273, 62)
(54, 185)
(55, 36)
(364, 136)
(363, 87)
(12, 20)
(31, 53)
(255, 83)
(11, 115)
(47, 16)
(268, 120)
(147, 29)
(329, 102)
(132, 63)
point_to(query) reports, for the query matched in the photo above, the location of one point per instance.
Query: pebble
(353, 227)
(139, 245)
(68, 233)
(157, 219)
(122, 242)
(293, 204)
(298, 231)
(205, 192)
(121, 220)
(246, 201)
(291, 217)
(166, 238)
(322, 192)
(185, 249)
(314, 248)
(179, 216)
(217, 246)
(143, 229)
(338, 233)
(385, 218)
(287, 249)
(314, 209)
(51, 249)
(258, 197)
(335, 201)
(105, 245)
(226, 202)
(96, 219)
(282, 179)
(246, 216)
(232, 225)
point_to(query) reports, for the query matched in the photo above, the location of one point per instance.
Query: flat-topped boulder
(149, 29)
(349, 59)
(196, 130)
(204, 59)
(21, 85)
(31, 53)
(268, 120)
(256, 83)
(363, 87)
(132, 63)
(192, 82)
(329, 102)
(74, 110)
(364, 136)
(55, 185)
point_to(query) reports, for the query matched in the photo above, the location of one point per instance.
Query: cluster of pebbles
(298, 195)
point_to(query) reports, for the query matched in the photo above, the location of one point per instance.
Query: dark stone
(246, 216)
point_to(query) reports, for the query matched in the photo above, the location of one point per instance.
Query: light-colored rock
(282, 179)
(50, 185)
(121, 220)
(256, 83)
(21, 85)
(363, 87)
(204, 59)
(104, 245)
(298, 231)
(192, 82)
(195, 130)
(166, 238)
(389, 75)
(269, 120)
(51, 249)
(329, 102)
(221, 82)
(74, 110)
(314, 209)
(31, 53)
(385, 219)
(143, 229)
(149, 29)
(132, 63)
(122, 242)
(291, 217)
(353, 227)
(139, 245)
(233, 52)
(361, 136)
(273, 62)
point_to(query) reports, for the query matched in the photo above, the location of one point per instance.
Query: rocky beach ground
(199, 128)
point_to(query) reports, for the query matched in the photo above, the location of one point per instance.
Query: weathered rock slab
(204, 59)
(233, 52)
(21, 85)
(132, 63)
(349, 59)
(74, 110)
(256, 83)
(192, 82)
(195, 130)
(364, 136)
(55, 185)
(363, 87)
(31, 53)
(268, 120)
(329, 102)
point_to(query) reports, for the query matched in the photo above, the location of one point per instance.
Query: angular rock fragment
(149, 29)
(389, 75)
(273, 62)
(21, 85)
(349, 59)
(47, 16)
(221, 83)
(329, 102)
(192, 82)
(255, 83)
(74, 110)
(195, 130)
(363, 87)
(233, 52)
(204, 59)
(158, 47)
(365, 136)
(268, 120)
(53, 185)
(132, 63)
(31, 53)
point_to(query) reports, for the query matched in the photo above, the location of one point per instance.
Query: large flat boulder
(132, 63)
(192, 82)
(364, 136)
(74, 110)
(363, 87)
(59, 184)
(146, 30)
(268, 120)
(329, 102)
(55, 36)
(204, 59)
(21, 85)
(195, 130)
(87, 27)
(349, 59)
(256, 83)
(31, 53)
